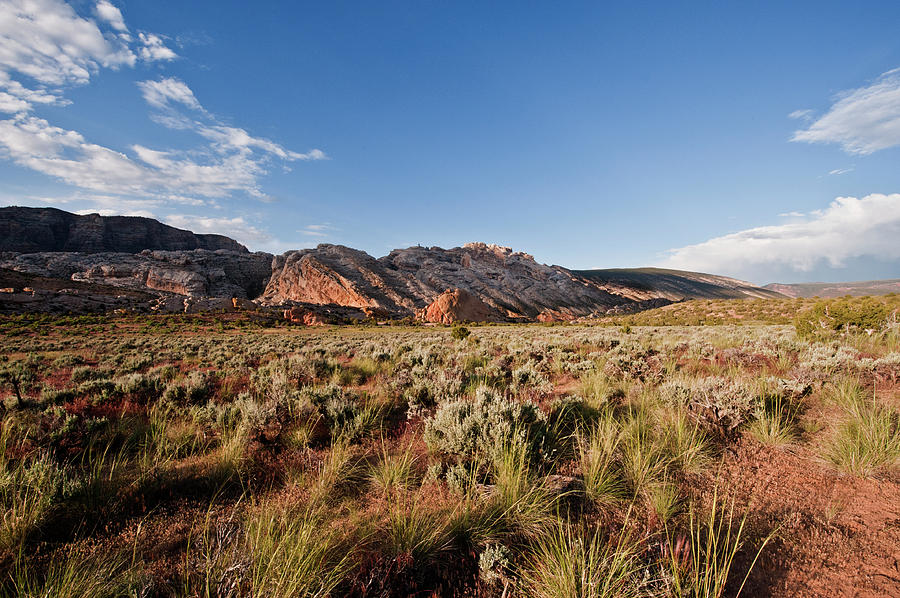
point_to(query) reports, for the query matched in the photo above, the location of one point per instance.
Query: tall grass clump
(413, 530)
(393, 473)
(111, 576)
(644, 458)
(600, 468)
(847, 393)
(867, 441)
(337, 468)
(293, 554)
(685, 441)
(28, 489)
(568, 563)
(698, 563)
(599, 391)
(774, 421)
(522, 498)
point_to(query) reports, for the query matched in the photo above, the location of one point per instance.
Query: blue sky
(756, 141)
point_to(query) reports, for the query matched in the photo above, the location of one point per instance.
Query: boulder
(458, 305)
(553, 315)
(302, 315)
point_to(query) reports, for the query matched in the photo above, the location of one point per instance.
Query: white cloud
(154, 48)
(849, 228)
(112, 15)
(862, 120)
(839, 171)
(801, 114)
(166, 91)
(15, 98)
(237, 228)
(316, 230)
(234, 139)
(47, 41)
(36, 144)
(47, 46)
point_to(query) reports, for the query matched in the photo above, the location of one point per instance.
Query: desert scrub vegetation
(181, 458)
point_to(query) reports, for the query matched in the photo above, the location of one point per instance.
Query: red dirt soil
(839, 535)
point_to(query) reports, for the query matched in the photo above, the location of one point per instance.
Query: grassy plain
(647, 455)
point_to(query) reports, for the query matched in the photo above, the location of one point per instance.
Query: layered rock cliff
(475, 281)
(511, 283)
(29, 230)
(196, 273)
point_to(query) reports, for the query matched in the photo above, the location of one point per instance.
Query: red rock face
(306, 317)
(458, 305)
(552, 315)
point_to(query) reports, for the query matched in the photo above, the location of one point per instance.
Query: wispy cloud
(839, 171)
(233, 160)
(862, 121)
(237, 228)
(848, 228)
(801, 114)
(316, 230)
(152, 48)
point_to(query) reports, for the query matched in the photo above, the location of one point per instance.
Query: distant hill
(33, 230)
(675, 285)
(827, 290)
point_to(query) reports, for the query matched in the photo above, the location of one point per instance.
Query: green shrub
(468, 427)
(460, 333)
(861, 313)
(720, 405)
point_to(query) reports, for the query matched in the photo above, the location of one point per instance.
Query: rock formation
(197, 273)
(30, 230)
(144, 264)
(304, 316)
(458, 305)
(407, 280)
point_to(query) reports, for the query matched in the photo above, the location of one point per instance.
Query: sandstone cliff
(197, 273)
(511, 283)
(30, 230)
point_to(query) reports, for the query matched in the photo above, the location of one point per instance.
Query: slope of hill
(828, 290)
(645, 283)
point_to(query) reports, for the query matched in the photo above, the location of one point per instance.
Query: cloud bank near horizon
(850, 229)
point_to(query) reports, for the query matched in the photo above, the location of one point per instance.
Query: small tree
(18, 376)
(460, 333)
